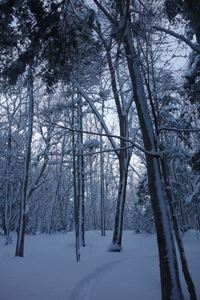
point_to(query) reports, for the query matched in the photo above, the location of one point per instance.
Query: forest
(100, 130)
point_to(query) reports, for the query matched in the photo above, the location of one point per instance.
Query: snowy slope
(49, 270)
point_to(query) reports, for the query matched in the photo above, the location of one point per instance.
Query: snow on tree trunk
(185, 268)
(170, 282)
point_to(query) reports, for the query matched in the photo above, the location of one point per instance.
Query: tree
(27, 158)
(170, 282)
(52, 36)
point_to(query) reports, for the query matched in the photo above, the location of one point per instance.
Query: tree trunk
(124, 156)
(184, 219)
(170, 282)
(117, 235)
(22, 218)
(92, 196)
(76, 199)
(8, 201)
(81, 179)
(103, 225)
(185, 268)
(55, 196)
(193, 12)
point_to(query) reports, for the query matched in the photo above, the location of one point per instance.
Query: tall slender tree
(27, 158)
(170, 282)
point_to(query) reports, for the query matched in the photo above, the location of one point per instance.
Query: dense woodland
(100, 122)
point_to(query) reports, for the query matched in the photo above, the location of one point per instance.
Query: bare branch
(98, 115)
(106, 13)
(178, 36)
(179, 129)
(104, 151)
(133, 145)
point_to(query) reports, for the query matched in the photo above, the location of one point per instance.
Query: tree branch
(179, 129)
(178, 36)
(133, 145)
(106, 13)
(97, 114)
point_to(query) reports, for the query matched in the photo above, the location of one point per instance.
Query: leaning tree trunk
(22, 218)
(170, 282)
(185, 268)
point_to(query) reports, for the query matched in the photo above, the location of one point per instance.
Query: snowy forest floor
(49, 270)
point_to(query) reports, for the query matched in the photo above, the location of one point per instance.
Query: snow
(49, 269)
(90, 144)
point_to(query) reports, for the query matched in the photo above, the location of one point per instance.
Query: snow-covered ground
(49, 270)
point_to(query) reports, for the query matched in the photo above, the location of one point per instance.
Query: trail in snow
(84, 289)
(49, 270)
(122, 278)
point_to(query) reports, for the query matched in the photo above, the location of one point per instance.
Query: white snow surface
(49, 270)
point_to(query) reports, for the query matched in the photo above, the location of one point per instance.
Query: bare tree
(170, 282)
(27, 158)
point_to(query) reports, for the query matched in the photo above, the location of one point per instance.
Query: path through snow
(49, 270)
(84, 290)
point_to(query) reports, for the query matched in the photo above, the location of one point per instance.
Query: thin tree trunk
(76, 199)
(8, 202)
(185, 268)
(123, 155)
(22, 218)
(81, 180)
(117, 235)
(103, 225)
(183, 218)
(57, 188)
(92, 196)
(198, 215)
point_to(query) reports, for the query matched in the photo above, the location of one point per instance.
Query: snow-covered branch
(98, 115)
(134, 145)
(179, 129)
(178, 36)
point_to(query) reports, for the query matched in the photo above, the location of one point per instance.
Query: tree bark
(81, 179)
(22, 218)
(124, 154)
(170, 282)
(8, 201)
(193, 12)
(76, 199)
(103, 223)
(117, 235)
(185, 268)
